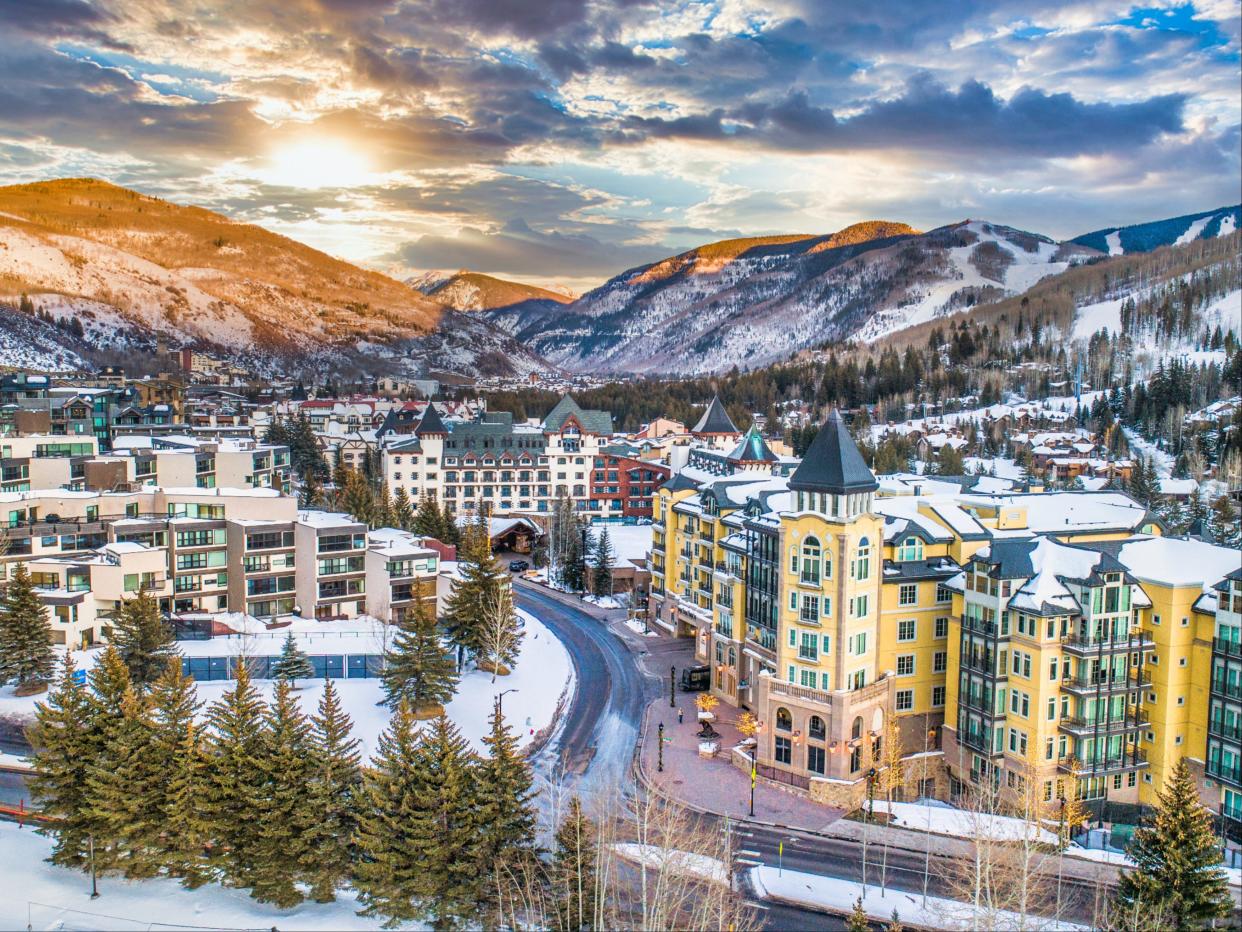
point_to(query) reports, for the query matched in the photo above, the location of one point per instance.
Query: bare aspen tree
(892, 777)
(499, 634)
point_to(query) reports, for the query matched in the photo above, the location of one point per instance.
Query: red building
(625, 485)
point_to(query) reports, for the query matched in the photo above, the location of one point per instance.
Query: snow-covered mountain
(474, 291)
(1144, 237)
(129, 267)
(751, 302)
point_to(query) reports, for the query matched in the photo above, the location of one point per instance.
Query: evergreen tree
(175, 752)
(293, 663)
(573, 562)
(572, 872)
(105, 723)
(445, 837)
(505, 812)
(1224, 522)
(402, 512)
(418, 669)
(601, 566)
(311, 493)
(144, 638)
(477, 588)
(26, 655)
(233, 800)
(427, 520)
(334, 789)
(284, 831)
(357, 498)
(448, 532)
(856, 921)
(389, 873)
(124, 792)
(1144, 483)
(61, 757)
(1178, 873)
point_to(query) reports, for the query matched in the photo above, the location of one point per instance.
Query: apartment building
(186, 461)
(401, 571)
(494, 463)
(43, 460)
(1223, 760)
(331, 576)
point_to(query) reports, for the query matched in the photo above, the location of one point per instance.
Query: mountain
(748, 302)
(474, 291)
(1144, 237)
(129, 267)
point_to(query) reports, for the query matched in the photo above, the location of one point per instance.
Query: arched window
(862, 559)
(784, 721)
(816, 728)
(856, 728)
(911, 549)
(732, 657)
(810, 562)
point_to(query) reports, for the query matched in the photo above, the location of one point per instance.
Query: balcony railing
(1225, 729)
(1130, 759)
(1228, 773)
(1087, 727)
(1103, 682)
(1133, 640)
(807, 693)
(1222, 687)
(1228, 648)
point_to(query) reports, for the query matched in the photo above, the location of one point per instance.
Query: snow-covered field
(542, 673)
(945, 820)
(37, 895)
(630, 542)
(831, 893)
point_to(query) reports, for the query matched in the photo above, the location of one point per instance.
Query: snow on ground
(1113, 242)
(542, 673)
(631, 543)
(998, 466)
(1121, 860)
(36, 894)
(837, 895)
(605, 601)
(1103, 315)
(1141, 446)
(639, 628)
(1227, 225)
(8, 759)
(961, 823)
(1192, 232)
(680, 862)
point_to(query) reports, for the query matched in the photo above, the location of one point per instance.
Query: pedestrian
(680, 713)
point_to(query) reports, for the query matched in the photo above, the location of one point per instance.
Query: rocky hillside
(753, 301)
(1174, 231)
(128, 267)
(474, 291)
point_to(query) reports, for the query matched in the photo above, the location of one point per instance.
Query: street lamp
(501, 695)
(660, 750)
(672, 687)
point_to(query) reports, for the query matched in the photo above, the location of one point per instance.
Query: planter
(707, 716)
(708, 748)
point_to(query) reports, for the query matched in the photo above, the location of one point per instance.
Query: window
(942, 628)
(816, 728)
(940, 661)
(905, 664)
(910, 549)
(810, 609)
(807, 678)
(860, 606)
(944, 594)
(809, 650)
(815, 759)
(1052, 668)
(810, 562)
(784, 721)
(905, 700)
(908, 594)
(906, 630)
(784, 751)
(938, 697)
(858, 643)
(862, 560)
(793, 601)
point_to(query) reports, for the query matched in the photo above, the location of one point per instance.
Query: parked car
(518, 566)
(696, 679)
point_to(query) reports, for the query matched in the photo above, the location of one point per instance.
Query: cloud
(517, 249)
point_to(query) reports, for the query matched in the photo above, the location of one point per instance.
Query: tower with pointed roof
(752, 452)
(715, 426)
(833, 478)
(431, 424)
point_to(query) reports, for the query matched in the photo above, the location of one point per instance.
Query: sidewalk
(714, 784)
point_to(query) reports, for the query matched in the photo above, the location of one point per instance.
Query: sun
(317, 163)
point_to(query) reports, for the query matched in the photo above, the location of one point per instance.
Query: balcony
(984, 665)
(1225, 773)
(1105, 684)
(1226, 648)
(1223, 729)
(979, 626)
(1221, 687)
(1081, 646)
(1082, 727)
(805, 693)
(1133, 758)
(979, 741)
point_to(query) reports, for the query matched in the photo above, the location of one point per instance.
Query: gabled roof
(753, 449)
(833, 463)
(715, 420)
(594, 422)
(431, 423)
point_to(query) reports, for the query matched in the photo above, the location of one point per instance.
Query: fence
(329, 666)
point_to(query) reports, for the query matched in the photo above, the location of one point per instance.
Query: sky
(563, 141)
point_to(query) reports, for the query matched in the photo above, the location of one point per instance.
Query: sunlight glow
(317, 163)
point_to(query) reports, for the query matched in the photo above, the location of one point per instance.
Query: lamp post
(754, 754)
(672, 687)
(927, 738)
(94, 886)
(501, 695)
(660, 750)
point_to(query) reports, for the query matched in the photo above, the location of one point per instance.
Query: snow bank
(45, 897)
(837, 895)
(961, 823)
(679, 862)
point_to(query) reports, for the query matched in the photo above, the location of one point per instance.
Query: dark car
(518, 566)
(695, 679)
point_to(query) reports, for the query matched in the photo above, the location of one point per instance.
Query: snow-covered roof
(1174, 561)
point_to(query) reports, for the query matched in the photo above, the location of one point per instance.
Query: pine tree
(293, 664)
(446, 836)
(448, 532)
(1224, 522)
(601, 566)
(124, 791)
(61, 757)
(105, 721)
(285, 827)
(418, 669)
(856, 921)
(144, 638)
(357, 498)
(478, 587)
(335, 785)
(389, 873)
(1178, 872)
(186, 829)
(1144, 483)
(26, 655)
(427, 520)
(506, 812)
(311, 493)
(233, 799)
(572, 872)
(402, 512)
